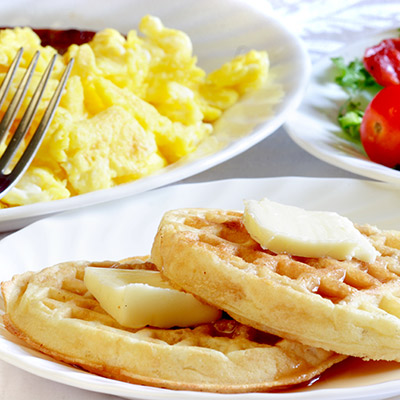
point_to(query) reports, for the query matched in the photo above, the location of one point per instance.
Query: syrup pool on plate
(355, 372)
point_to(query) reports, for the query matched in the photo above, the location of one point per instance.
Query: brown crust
(349, 307)
(17, 322)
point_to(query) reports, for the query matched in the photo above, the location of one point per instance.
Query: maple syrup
(353, 372)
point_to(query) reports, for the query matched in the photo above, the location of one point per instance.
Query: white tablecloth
(324, 25)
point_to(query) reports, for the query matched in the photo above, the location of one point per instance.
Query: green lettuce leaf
(361, 89)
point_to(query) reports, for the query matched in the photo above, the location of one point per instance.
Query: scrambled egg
(132, 105)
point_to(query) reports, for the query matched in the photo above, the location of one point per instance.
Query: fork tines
(9, 178)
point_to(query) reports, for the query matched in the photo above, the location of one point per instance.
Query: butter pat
(286, 229)
(137, 298)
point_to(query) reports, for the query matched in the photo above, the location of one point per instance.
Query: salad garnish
(371, 114)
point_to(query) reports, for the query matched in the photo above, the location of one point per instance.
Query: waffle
(349, 307)
(53, 312)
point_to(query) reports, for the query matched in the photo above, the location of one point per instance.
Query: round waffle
(53, 312)
(350, 307)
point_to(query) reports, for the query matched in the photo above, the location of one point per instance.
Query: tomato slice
(380, 127)
(382, 61)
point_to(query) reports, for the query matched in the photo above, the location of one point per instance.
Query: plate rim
(367, 168)
(14, 217)
(388, 388)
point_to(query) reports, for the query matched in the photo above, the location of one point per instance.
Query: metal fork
(10, 176)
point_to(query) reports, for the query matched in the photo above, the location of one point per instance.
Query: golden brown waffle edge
(52, 312)
(349, 307)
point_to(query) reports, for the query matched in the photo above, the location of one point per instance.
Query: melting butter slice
(292, 230)
(137, 298)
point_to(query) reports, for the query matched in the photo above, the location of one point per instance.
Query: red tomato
(383, 62)
(380, 127)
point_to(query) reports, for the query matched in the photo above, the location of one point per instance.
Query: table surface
(277, 155)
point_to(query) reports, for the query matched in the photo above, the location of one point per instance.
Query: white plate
(219, 31)
(314, 125)
(127, 226)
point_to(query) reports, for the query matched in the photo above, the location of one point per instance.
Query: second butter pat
(137, 298)
(292, 230)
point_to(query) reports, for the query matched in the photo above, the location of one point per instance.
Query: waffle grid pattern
(53, 312)
(337, 281)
